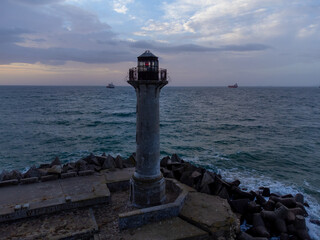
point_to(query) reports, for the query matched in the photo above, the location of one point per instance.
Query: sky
(200, 43)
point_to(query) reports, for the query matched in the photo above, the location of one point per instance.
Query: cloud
(167, 48)
(52, 32)
(120, 6)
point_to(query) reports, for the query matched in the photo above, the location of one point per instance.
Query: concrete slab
(174, 228)
(51, 196)
(118, 179)
(140, 217)
(212, 214)
(118, 175)
(76, 224)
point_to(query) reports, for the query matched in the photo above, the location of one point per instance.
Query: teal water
(263, 136)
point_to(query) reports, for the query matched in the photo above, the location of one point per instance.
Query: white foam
(252, 181)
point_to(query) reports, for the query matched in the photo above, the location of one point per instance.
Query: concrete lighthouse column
(147, 185)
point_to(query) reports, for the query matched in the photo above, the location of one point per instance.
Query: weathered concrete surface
(118, 180)
(52, 196)
(140, 217)
(174, 228)
(76, 224)
(212, 214)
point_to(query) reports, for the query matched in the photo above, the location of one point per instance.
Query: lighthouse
(147, 185)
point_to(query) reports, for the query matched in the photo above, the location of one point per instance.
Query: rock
(119, 162)
(206, 189)
(4, 176)
(95, 161)
(55, 169)
(167, 173)
(186, 178)
(237, 193)
(128, 163)
(92, 167)
(208, 178)
(44, 165)
(164, 161)
(265, 192)
(224, 193)
(196, 176)
(108, 163)
(269, 205)
(253, 207)
(291, 217)
(288, 202)
(260, 199)
(259, 229)
(287, 196)
(301, 228)
(280, 225)
(81, 165)
(299, 211)
(239, 205)
(56, 161)
(14, 174)
(235, 183)
(68, 166)
(33, 172)
(300, 205)
(190, 167)
(299, 198)
(176, 158)
(284, 236)
(177, 172)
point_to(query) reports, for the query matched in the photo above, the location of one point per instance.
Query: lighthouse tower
(147, 185)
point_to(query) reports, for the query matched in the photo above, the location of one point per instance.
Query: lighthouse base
(147, 193)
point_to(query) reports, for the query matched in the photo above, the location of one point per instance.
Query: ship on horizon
(233, 86)
(110, 85)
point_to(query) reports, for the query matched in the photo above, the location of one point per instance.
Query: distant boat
(233, 86)
(110, 85)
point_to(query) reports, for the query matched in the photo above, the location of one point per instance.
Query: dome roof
(148, 54)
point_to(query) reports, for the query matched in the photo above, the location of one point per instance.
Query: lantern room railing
(160, 75)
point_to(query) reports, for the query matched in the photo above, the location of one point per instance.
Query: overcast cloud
(240, 40)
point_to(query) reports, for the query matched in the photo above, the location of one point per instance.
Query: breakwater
(261, 212)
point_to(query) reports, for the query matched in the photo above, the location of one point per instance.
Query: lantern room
(148, 66)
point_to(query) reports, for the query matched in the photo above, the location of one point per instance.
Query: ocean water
(261, 136)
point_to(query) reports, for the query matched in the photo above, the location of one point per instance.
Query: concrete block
(49, 178)
(212, 214)
(86, 173)
(68, 175)
(29, 180)
(9, 182)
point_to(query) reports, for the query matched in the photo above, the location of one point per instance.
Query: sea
(263, 136)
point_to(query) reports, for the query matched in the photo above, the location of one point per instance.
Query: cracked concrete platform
(47, 197)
